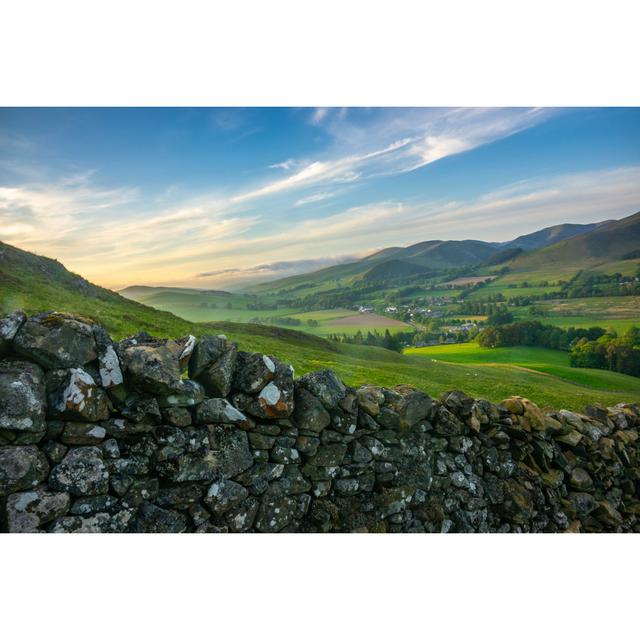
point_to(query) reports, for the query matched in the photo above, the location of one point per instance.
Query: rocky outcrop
(97, 436)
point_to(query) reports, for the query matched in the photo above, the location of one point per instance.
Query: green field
(549, 362)
(207, 306)
(619, 313)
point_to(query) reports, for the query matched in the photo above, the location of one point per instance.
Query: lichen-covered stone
(189, 394)
(73, 394)
(108, 361)
(9, 326)
(21, 468)
(83, 433)
(56, 341)
(26, 512)
(22, 402)
(309, 413)
(252, 372)
(325, 386)
(118, 522)
(223, 495)
(154, 519)
(220, 411)
(150, 365)
(213, 364)
(82, 472)
(275, 513)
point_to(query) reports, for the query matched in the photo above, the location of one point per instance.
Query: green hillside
(606, 243)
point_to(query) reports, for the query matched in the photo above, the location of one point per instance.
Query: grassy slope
(38, 284)
(533, 359)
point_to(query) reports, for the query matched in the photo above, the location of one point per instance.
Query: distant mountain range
(579, 245)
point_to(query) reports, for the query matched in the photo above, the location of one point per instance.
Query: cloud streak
(403, 145)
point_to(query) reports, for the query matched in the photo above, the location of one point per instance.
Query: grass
(619, 312)
(552, 364)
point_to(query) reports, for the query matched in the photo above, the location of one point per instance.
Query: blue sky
(225, 197)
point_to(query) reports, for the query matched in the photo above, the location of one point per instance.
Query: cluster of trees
(532, 333)
(621, 354)
(394, 342)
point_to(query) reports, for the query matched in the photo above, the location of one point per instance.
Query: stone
(275, 513)
(241, 518)
(180, 496)
(83, 433)
(580, 479)
(74, 395)
(309, 413)
(22, 402)
(140, 408)
(176, 416)
(55, 451)
(108, 361)
(26, 512)
(284, 455)
(370, 398)
(82, 472)
(330, 455)
(220, 411)
(457, 402)
(259, 475)
(224, 495)
(190, 394)
(117, 522)
(150, 365)
(253, 371)
(9, 326)
(325, 386)
(276, 398)
(233, 449)
(89, 505)
(21, 468)
(409, 404)
(191, 467)
(154, 519)
(56, 341)
(122, 429)
(213, 364)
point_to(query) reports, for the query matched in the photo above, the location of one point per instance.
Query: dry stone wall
(153, 435)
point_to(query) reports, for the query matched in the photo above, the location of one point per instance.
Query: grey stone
(325, 386)
(74, 395)
(213, 364)
(83, 433)
(81, 472)
(56, 341)
(22, 402)
(150, 365)
(309, 413)
(21, 468)
(253, 371)
(9, 326)
(27, 511)
(220, 411)
(224, 494)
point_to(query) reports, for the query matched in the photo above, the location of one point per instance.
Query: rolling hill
(607, 242)
(525, 253)
(551, 235)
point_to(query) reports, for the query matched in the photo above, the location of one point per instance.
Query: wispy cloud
(398, 145)
(278, 269)
(315, 197)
